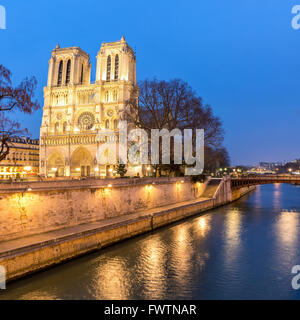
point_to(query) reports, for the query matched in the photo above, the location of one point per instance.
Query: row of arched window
(111, 125)
(56, 127)
(108, 68)
(111, 96)
(68, 73)
(108, 125)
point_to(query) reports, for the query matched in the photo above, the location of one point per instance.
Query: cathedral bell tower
(69, 66)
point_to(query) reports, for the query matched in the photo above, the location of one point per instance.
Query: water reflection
(243, 250)
(257, 197)
(277, 195)
(232, 234)
(287, 228)
(203, 226)
(38, 295)
(111, 280)
(151, 268)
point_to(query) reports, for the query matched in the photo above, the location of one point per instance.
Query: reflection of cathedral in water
(76, 110)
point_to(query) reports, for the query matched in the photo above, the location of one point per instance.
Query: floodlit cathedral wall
(76, 110)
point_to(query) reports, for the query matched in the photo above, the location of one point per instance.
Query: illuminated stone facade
(23, 159)
(75, 110)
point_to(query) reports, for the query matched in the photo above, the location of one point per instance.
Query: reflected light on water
(277, 195)
(286, 233)
(181, 254)
(287, 227)
(257, 196)
(111, 280)
(39, 295)
(203, 226)
(232, 234)
(153, 256)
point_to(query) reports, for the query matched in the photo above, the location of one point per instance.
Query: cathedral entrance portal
(85, 171)
(55, 165)
(81, 163)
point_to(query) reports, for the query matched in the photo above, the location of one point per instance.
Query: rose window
(86, 121)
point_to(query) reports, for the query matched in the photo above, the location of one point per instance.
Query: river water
(244, 250)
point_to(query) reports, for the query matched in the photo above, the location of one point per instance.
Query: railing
(263, 179)
(32, 186)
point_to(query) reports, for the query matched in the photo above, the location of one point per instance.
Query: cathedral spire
(123, 38)
(57, 46)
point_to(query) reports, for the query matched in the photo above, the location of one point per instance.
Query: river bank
(29, 254)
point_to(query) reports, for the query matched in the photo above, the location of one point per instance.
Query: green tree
(121, 170)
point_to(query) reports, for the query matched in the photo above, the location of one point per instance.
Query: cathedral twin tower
(75, 110)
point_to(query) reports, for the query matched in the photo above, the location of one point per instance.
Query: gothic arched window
(60, 71)
(115, 95)
(108, 68)
(68, 74)
(65, 127)
(117, 67)
(107, 124)
(106, 96)
(56, 127)
(81, 77)
(116, 123)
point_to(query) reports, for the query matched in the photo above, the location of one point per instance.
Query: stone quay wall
(133, 206)
(37, 207)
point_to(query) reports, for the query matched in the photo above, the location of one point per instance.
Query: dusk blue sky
(241, 57)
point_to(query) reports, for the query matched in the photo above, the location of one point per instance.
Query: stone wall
(44, 206)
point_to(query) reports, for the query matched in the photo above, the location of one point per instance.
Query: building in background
(22, 160)
(270, 165)
(75, 110)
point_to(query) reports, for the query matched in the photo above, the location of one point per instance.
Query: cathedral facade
(76, 110)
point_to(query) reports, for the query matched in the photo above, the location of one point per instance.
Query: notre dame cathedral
(75, 109)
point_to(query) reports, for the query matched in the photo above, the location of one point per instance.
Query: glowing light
(287, 227)
(29, 189)
(78, 169)
(202, 223)
(109, 186)
(96, 169)
(148, 168)
(149, 187)
(232, 234)
(54, 169)
(110, 170)
(203, 226)
(28, 168)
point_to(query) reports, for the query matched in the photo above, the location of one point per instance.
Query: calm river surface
(245, 250)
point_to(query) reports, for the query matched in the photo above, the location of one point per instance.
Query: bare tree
(174, 104)
(14, 98)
